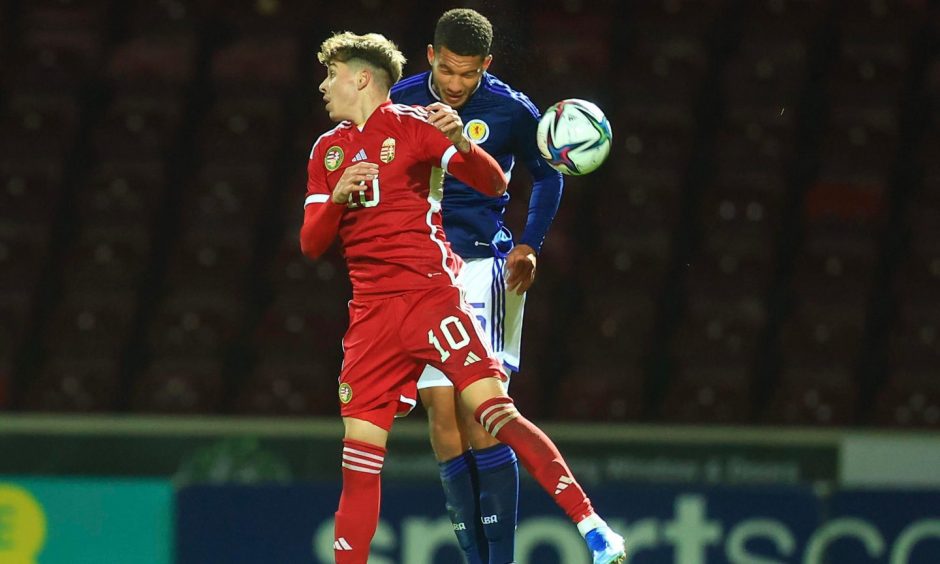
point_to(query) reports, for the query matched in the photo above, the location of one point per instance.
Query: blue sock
(458, 477)
(498, 473)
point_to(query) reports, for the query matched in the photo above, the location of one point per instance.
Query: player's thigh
(498, 310)
(376, 367)
(440, 330)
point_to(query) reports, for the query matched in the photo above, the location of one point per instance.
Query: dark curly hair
(464, 31)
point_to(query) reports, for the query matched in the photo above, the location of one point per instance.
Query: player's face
(339, 91)
(456, 76)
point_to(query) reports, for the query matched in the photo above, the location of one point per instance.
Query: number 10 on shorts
(449, 326)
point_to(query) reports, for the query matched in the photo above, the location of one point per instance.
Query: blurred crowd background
(762, 246)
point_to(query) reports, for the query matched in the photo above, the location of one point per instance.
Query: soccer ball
(574, 136)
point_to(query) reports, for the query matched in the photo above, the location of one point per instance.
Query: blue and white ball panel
(498, 311)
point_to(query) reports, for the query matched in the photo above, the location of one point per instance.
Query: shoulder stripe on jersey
(448, 154)
(504, 90)
(414, 111)
(316, 199)
(342, 125)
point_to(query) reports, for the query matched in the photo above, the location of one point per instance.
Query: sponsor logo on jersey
(333, 158)
(345, 393)
(388, 151)
(477, 130)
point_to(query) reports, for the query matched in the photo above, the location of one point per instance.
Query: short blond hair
(374, 49)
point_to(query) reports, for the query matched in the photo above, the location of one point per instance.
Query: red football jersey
(391, 232)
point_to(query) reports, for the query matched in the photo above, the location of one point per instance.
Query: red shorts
(390, 340)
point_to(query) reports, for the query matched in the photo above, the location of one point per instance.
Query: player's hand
(353, 180)
(520, 262)
(448, 122)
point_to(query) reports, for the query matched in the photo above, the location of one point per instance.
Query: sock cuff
(589, 523)
(496, 412)
(455, 466)
(363, 457)
(494, 457)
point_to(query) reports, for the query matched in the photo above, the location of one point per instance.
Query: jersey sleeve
(547, 183)
(321, 215)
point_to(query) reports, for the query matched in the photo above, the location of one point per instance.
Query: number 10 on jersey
(448, 327)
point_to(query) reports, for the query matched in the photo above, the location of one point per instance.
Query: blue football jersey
(503, 122)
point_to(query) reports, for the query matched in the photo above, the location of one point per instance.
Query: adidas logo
(360, 156)
(341, 544)
(471, 358)
(563, 484)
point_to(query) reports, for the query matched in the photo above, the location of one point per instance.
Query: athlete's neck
(367, 106)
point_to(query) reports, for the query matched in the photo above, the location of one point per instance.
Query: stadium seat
(910, 397)
(726, 268)
(837, 266)
(207, 260)
(823, 333)
(108, 259)
(755, 141)
(243, 129)
(225, 195)
(179, 386)
(724, 331)
(813, 395)
(290, 388)
(15, 310)
(257, 63)
(166, 61)
(596, 389)
(23, 254)
(302, 326)
(38, 125)
(138, 126)
(709, 393)
(92, 324)
(653, 137)
(29, 190)
(126, 194)
(766, 74)
(914, 336)
(82, 385)
(743, 208)
(190, 324)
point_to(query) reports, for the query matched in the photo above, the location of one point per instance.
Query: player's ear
(486, 62)
(363, 78)
(430, 54)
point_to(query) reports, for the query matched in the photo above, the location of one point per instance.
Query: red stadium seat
(813, 395)
(82, 385)
(166, 60)
(257, 63)
(92, 325)
(290, 388)
(225, 195)
(914, 337)
(15, 310)
(38, 125)
(910, 397)
(29, 190)
(302, 326)
(138, 126)
(108, 259)
(766, 74)
(729, 269)
(190, 324)
(743, 208)
(823, 334)
(755, 141)
(709, 393)
(181, 386)
(23, 253)
(599, 389)
(243, 129)
(655, 138)
(212, 259)
(126, 194)
(724, 332)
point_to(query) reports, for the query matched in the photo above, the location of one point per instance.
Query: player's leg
(496, 412)
(374, 372)
(500, 315)
(498, 487)
(456, 464)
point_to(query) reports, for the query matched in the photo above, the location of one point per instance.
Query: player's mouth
(453, 97)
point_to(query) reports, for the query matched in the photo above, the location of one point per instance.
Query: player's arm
(323, 208)
(463, 158)
(547, 183)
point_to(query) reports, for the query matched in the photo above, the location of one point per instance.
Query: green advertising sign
(65, 521)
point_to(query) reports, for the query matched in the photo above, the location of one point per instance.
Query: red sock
(358, 513)
(537, 453)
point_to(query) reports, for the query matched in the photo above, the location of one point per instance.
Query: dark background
(762, 246)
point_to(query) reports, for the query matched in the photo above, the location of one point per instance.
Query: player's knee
(495, 413)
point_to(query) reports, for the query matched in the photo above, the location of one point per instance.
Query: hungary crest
(345, 393)
(387, 154)
(333, 158)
